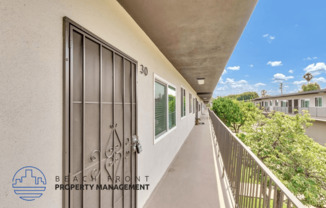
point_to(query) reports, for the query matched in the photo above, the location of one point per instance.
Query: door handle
(136, 146)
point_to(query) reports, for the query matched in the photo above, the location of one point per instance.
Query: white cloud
(233, 68)
(291, 71)
(232, 86)
(300, 82)
(224, 72)
(274, 63)
(316, 69)
(310, 58)
(319, 79)
(221, 88)
(260, 84)
(269, 37)
(278, 77)
(251, 65)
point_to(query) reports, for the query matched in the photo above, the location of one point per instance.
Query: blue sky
(281, 42)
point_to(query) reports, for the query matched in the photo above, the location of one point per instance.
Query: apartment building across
(313, 102)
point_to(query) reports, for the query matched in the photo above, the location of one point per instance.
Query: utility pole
(281, 88)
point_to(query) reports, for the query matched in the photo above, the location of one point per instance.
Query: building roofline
(292, 94)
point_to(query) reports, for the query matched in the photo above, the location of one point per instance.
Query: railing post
(238, 172)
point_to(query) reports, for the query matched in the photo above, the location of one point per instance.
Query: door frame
(67, 22)
(296, 107)
(290, 106)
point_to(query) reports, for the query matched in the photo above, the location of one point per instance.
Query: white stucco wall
(31, 79)
(317, 132)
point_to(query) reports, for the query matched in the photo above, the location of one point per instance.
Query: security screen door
(102, 120)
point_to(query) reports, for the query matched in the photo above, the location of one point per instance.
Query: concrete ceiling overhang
(196, 36)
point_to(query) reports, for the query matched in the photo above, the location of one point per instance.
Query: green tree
(310, 87)
(234, 113)
(279, 140)
(298, 161)
(244, 96)
(247, 96)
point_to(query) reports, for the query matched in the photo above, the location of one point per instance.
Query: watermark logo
(29, 183)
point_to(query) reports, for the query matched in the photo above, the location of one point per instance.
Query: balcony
(318, 113)
(215, 169)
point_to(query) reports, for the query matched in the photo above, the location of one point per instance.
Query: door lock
(136, 146)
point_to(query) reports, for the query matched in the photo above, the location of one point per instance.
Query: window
(305, 103)
(284, 103)
(160, 108)
(266, 104)
(276, 102)
(194, 105)
(318, 102)
(183, 102)
(165, 107)
(172, 107)
(190, 106)
(270, 103)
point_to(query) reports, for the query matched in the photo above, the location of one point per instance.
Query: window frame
(303, 101)
(193, 105)
(157, 138)
(182, 104)
(190, 103)
(321, 102)
(176, 98)
(284, 103)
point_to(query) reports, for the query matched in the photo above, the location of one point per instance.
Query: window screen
(190, 106)
(160, 109)
(283, 103)
(183, 102)
(172, 107)
(194, 105)
(318, 102)
(305, 103)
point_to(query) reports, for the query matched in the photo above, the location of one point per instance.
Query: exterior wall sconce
(201, 81)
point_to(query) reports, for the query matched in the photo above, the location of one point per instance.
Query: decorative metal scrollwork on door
(113, 154)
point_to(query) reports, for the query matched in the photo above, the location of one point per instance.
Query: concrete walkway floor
(192, 180)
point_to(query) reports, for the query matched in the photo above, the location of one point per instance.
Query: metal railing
(315, 111)
(318, 112)
(252, 183)
(282, 109)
